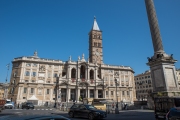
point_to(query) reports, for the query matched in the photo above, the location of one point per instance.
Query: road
(123, 115)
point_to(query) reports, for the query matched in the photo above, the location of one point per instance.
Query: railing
(116, 66)
(37, 59)
(92, 81)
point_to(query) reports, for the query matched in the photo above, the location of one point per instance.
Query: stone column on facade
(109, 93)
(114, 95)
(88, 91)
(130, 94)
(78, 73)
(27, 97)
(30, 74)
(121, 95)
(23, 72)
(87, 73)
(44, 96)
(95, 91)
(78, 94)
(70, 73)
(104, 94)
(51, 94)
(69, 94)
(67, 75)
(154, 28)
(19, 93)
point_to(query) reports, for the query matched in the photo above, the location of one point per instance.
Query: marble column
(78, 93)
(154, 28)
(69, 94)
(88, 93)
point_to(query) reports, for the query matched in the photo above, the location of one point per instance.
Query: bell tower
(95, 44)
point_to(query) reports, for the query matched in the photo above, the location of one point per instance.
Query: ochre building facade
(47, 80)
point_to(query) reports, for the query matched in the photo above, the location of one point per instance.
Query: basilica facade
(47, 80)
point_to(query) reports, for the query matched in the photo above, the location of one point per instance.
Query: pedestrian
(18, 105)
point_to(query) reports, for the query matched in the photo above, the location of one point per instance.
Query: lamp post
(57, 91)
(116, 109)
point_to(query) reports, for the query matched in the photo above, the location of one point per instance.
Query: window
(111, 92)
(145, 76)
(33, 74)
(47, 91)
(127, 92)
(15, 74)
(12, 90)
(28, 64)
(137, 78)
(14, 81)
(54, 92)
(39, 91)
(49, 75)
(99, 44)
(148, 76)
(32, 90)
(24, 97)
(122, 92)
(95, 44)
(34, 65)
(27, 73)
(55, 75)
(25, 90)
(26, 80)
(106, 92)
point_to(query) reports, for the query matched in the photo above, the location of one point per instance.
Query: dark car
(173, 114)
(87, 111)
(27, 105)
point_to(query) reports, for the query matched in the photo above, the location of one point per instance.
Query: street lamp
(116, 109)
(57, 89)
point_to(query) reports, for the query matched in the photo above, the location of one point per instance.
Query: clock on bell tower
(95, 44)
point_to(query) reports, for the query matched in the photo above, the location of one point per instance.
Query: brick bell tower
(95, 44)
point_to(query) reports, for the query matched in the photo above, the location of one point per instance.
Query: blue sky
(59, 28)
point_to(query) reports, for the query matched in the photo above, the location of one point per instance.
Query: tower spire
(95, 25)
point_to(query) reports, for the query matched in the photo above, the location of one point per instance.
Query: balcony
(92, 81)
(82, 79)
(72, 80)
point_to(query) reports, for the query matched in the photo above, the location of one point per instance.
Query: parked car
(87, 111)
(27, 105)
(9, 104)
(173, 114)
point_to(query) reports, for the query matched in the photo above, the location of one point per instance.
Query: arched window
(73, 73)
(99, 44)
(95, 44)
(82, 72)
(91, 74)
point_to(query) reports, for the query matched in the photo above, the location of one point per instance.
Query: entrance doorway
(100, 93)
(63, 94)
(83, 93)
